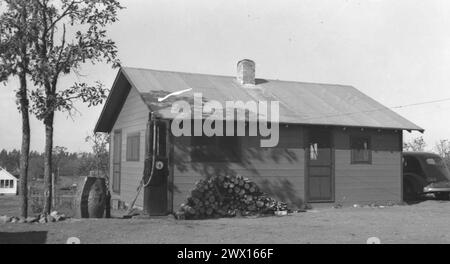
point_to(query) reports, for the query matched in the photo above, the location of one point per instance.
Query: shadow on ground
(35, 237)
(422, 200)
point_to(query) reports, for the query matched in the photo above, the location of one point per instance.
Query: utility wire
(380, 109)
(422, 103)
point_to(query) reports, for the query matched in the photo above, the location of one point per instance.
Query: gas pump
(156, 171)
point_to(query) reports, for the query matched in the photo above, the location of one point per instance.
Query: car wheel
(443, 196)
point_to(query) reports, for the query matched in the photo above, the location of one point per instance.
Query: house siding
(132, 119)
(6, 176)
(278, 171)
(380, 181)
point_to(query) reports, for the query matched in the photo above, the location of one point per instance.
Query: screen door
(320, 166)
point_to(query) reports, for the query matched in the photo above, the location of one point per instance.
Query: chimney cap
(246, 60)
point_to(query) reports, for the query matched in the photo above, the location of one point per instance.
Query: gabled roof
(300, 103)
(5, 174)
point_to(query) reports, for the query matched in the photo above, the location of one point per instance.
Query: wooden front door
(319, 154)
(117, 158)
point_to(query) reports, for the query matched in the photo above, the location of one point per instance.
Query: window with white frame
(6, 184)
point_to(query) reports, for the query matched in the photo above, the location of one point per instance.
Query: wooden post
(53, 191)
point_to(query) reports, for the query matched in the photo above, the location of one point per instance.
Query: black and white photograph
(218, 122)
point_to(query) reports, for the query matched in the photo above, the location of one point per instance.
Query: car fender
(418, 181)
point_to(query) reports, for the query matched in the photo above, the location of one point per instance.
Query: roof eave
(108, 100)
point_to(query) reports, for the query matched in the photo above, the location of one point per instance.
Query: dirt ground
(425, 222)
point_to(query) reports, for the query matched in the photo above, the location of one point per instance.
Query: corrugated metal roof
(300, 103)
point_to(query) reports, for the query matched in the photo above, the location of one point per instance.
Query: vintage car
(425, 174)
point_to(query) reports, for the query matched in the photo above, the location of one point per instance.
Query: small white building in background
(8, 183)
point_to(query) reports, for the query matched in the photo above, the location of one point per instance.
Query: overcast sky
(397, 52)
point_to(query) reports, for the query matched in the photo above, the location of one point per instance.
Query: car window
(411, 164)
(437, 169)
(431, 161)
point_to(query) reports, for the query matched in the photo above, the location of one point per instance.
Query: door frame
(306, 140)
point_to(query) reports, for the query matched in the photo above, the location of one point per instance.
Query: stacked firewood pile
(228, 196)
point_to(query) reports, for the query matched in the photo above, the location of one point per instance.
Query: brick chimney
(246, 72)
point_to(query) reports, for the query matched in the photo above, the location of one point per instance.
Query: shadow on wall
(35, 237)
(281, 189)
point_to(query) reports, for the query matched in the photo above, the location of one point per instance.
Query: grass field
(426, 222)
(63, 199)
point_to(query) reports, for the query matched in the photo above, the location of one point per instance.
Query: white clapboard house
(8, 183)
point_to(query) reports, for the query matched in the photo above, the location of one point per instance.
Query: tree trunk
(48, 122)
(25, 151)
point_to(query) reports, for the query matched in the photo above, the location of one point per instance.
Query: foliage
(71, 163)
(17, 35)
(100, 148)
(417, 144)
(36, 166)
(64, 100)
(10, 161)
(443, 149)
(71, 33)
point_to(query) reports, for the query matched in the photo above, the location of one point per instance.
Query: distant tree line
(65, 163)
